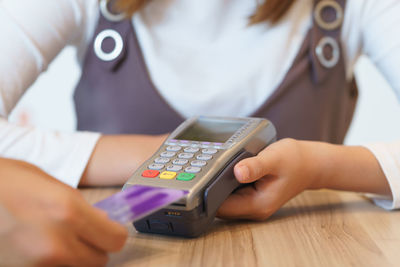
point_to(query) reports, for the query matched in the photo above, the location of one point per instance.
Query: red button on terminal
(150, 173)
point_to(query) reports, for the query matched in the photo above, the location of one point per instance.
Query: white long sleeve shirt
(225, 56)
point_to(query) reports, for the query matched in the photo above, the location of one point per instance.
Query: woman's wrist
(315, 167)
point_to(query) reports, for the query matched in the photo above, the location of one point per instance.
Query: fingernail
(242, 173)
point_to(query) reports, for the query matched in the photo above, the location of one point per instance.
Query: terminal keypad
(180, 161)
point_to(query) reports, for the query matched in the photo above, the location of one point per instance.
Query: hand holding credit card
(138, 201)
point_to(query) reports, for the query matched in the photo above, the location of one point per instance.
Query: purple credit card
(138, 201)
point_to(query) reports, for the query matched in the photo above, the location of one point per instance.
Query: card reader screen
(211, 130)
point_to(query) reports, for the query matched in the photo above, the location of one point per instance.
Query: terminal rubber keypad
(180, 163)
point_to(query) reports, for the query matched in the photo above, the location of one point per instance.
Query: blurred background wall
(48, 103)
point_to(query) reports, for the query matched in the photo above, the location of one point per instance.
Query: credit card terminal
(199, 157)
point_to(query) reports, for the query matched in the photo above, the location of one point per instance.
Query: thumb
(254, 168)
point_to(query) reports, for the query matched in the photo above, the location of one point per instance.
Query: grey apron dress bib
(115, 94)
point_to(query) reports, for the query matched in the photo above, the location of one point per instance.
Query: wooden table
(317, 228)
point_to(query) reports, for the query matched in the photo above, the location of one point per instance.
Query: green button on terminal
(185, 176)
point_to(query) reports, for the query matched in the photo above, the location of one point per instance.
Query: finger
(101, 232)
(257, 201)
(254, 168)
(72, 251)
(86, 255)
(56, 245)
(239, 205)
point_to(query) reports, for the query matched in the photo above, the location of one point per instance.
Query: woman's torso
(118, 96)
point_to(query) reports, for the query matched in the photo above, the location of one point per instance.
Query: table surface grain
(317, 228)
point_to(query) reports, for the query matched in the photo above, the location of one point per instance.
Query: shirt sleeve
(33, 33)
(62, 155)
(388, 156)
(379, 37)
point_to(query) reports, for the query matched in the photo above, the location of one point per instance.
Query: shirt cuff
(388, 156)
(75, 164)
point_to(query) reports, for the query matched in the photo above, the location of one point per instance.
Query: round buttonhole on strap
(98, 43)
(328, 25)
(319, 50)
(109, 15)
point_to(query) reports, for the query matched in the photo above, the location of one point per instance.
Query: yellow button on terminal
(167, 175)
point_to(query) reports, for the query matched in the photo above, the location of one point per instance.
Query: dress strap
(111, 34)
(326, 50)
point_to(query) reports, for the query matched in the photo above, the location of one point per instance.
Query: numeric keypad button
(192, 169)
(204, 157)
(191, 149)
(209, 151)
(174, 168)
(167, 154)
(198, 163)
(185, 155)
(155, 166)
(180, 161)
(173, 148)
(161, 160)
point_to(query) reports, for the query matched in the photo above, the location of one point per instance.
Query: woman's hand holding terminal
(286, 168)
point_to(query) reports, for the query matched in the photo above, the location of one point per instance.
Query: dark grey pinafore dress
(115, 94)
